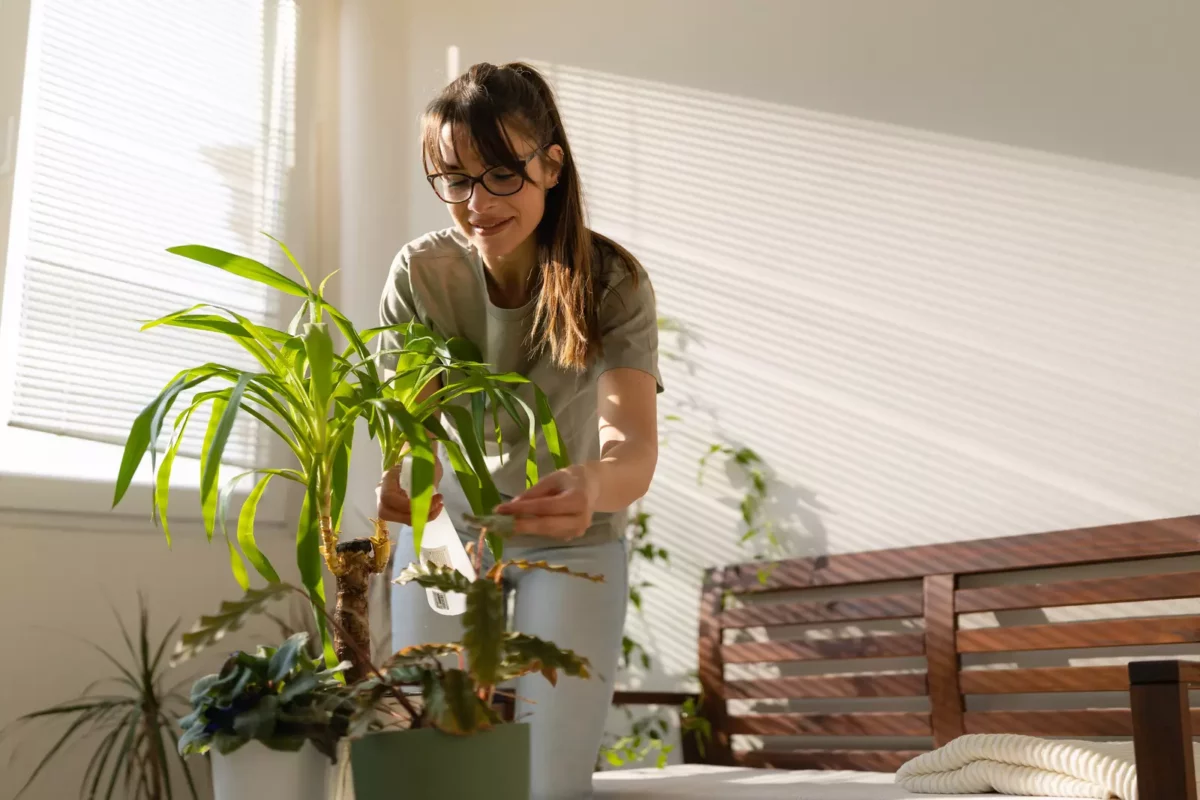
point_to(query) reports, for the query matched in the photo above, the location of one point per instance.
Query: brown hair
(571, 258)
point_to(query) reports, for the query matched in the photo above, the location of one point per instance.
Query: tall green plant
(310, 394)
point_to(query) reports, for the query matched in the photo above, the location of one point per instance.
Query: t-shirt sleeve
(396, 307)
(629, 327)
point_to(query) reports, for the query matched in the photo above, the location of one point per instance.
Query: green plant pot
(426, 763)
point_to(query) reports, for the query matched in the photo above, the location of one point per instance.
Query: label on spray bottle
(440, 545)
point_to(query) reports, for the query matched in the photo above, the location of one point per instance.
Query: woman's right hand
(392, 503)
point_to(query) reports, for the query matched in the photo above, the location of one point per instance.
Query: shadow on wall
(940, 338)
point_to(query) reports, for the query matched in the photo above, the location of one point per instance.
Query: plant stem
(365, 658)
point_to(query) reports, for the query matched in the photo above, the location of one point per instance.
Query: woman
(521, 276)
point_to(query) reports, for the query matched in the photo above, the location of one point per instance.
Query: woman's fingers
(566, 526)
(544, 495)
(553, 505)
(396, 507)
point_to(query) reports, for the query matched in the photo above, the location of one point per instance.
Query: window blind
(154, 124)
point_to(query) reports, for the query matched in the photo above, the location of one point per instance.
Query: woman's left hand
(560, 506)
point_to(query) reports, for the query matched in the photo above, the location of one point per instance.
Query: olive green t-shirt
(439, 281)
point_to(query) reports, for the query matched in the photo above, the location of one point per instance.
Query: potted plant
(258, 710)
(458, 723)
(311, 396)
(133, 721)
(450, 719)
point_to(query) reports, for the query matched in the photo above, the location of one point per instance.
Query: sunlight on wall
(928, 338)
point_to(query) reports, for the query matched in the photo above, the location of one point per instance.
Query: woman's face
(500, 226)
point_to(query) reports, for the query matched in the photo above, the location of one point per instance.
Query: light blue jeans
(567, 721)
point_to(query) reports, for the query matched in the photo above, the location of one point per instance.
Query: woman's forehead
(457, 147)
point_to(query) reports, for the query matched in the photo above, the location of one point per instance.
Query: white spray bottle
(440, 545)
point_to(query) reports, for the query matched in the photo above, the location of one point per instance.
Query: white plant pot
(255, 772)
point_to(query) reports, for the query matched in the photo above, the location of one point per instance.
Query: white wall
(937, 261)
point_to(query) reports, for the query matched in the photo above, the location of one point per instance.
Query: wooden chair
(931, 607)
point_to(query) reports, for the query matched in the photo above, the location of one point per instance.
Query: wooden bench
(922, 588)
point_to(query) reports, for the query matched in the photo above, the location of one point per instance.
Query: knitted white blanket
(1025, 765)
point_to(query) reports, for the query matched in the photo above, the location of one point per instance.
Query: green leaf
(162, 481)
(139, 439)
(348, 330)
(421, 452)
(298, 319)
(420, 654)
(525, 654)
(214, 448)
(298, 686)
(236, 565)
(464, 425)
(308, 559)
(433, 576)
(340, 479)
(245, 530)
(554, 443)
(209, 630)
(214, 323)
(319, 349)
(483, 627)
(283, 660)
(124, 754)
(452, 706)
(295, 263)
(240, 266)
(499, 524)
(462, 349)
(208, 501)
(458, 462)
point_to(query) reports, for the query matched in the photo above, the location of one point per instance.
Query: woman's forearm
(622, 475)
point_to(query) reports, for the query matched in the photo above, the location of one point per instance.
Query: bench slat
(1170, 586)
(1040, 680)
(1067, 635)
(898, 606)
(895, 646)
(870, 723)
(828, 686)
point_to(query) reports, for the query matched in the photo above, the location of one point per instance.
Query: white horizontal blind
(155, 124)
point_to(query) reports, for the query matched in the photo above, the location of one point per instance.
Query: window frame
(86, 493)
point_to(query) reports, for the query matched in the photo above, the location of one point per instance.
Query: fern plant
(311, 394)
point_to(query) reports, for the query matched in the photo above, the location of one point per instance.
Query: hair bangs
(475, 118)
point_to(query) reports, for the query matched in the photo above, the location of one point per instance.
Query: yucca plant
(311, 394)
(134, 721)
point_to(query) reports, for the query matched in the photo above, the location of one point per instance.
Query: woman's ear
(554, 164)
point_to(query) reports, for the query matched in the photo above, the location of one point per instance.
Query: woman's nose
(481, 199)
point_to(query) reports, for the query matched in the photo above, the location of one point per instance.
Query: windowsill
(42, 472)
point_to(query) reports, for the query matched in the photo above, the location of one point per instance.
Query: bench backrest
(927, 603)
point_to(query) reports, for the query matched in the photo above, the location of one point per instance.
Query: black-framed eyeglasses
(502, 181)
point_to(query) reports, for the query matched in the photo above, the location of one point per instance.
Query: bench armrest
(1162, 728)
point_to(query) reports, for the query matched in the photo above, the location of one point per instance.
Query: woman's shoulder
(618, 270)
(432, 248)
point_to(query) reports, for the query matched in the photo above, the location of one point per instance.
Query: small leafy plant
(459, 699)
(134, 722)
(281, 697)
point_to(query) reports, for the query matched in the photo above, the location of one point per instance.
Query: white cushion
(740, 783)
